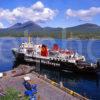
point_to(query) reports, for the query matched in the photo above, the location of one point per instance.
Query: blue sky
(53, 13)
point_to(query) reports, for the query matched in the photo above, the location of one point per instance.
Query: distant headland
(83, 31)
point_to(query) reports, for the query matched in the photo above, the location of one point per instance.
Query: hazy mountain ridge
(19, 28)
(85, 28)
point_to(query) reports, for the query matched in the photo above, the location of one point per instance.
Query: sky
(51, 13)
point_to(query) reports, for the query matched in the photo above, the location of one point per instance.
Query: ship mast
(70, 40)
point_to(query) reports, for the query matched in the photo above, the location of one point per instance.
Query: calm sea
(87, 85)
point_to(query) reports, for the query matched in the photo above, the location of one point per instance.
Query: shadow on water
(85, 84)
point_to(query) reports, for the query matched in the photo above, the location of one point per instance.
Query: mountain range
(81, 30)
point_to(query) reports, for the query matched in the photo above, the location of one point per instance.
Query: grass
(13, 94)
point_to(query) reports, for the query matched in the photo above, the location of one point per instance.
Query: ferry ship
(55, 58)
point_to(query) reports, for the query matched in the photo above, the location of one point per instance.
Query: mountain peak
(21, 27)
(89, 25)
(16, 25)
(30, 23)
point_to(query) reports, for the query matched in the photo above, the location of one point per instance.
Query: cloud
(1, 25)
(38, 6)
(85, 15)
(36, 12)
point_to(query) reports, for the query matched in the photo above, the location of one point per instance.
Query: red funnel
(44, 51)
(55, 47)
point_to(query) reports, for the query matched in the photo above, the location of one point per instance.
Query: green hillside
(84, 31)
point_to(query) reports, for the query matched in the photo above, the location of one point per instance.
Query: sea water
(87, 85)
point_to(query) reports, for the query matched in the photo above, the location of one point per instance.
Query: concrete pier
(47, 89)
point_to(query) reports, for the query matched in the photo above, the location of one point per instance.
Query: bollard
(71, 92)
(61, 84)
(1, 75)
(45, 76)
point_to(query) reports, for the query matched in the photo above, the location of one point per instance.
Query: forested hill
(84, 31)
